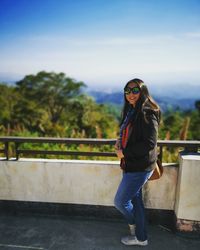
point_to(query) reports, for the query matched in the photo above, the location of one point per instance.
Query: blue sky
(102, 42)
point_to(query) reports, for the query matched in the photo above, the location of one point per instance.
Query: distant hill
(165, 103)
(169, 96)
(183, 104)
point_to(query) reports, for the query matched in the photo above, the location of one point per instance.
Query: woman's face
(132, 97)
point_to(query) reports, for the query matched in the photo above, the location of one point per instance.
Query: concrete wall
(188, 188)
(78, 182)
(160, 194)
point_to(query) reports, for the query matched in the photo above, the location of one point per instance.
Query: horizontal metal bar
(168, 143)
(189, 146)
(178, 143)
(58, 140)
(50, 152)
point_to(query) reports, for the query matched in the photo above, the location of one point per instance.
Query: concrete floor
(30, 232)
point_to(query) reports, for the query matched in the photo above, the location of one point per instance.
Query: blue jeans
(128, 200)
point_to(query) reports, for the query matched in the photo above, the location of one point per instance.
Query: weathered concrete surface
(187, 205)
(77, 182)
(74, 233)
(160, 194)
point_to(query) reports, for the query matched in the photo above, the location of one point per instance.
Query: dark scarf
(124, 129)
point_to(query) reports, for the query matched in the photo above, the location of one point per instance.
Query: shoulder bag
(157, 172)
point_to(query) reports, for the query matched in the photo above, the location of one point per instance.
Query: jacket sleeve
(148, 141)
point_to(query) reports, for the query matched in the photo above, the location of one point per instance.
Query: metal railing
(188, 146)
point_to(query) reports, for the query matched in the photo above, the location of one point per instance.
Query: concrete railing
(95, 183)
(78, 182)
(187, 199)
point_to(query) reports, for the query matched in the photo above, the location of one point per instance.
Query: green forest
(51, 104)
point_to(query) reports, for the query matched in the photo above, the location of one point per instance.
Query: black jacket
(140, 152)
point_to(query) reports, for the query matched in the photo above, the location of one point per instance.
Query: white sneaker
(131, 240)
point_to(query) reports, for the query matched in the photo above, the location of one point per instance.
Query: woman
(137, 150)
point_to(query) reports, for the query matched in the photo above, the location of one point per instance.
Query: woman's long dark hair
(144, 98)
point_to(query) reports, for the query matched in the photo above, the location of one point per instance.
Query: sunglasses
(134, 90)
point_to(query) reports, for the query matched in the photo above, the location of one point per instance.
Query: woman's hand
(117, 144)
(119, 154)
(118, 150)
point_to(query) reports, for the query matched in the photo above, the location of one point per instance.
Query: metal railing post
(6, 150)
(160, 155)
(16, 151)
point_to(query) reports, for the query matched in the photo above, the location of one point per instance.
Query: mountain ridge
(165, 102)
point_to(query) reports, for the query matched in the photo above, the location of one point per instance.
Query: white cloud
(82, 41)
(193, 34)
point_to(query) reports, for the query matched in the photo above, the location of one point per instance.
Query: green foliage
(194, 129)
(8, 99)
(53, 105)
(171, 125)
(44, 99)
(50, 104)
(179, 125)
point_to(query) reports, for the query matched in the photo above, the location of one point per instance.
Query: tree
(86, 118)
(45, 94)
(8, 98)
(171, 125)
(197, 105)
(194, 132)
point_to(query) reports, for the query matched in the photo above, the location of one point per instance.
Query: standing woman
(137, 150)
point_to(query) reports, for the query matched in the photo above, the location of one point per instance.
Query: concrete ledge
(187, 206)
(78, 182)
(68, 187)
